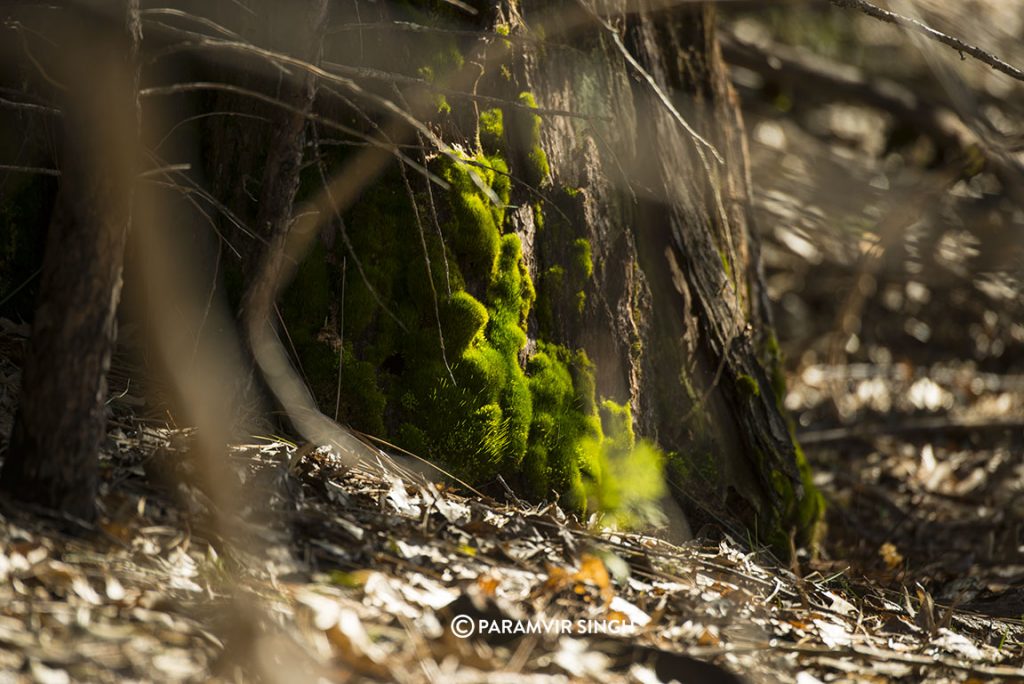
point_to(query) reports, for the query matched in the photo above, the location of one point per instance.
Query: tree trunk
(588, 279)
(680, 325)
(61, 421)
(256, 158)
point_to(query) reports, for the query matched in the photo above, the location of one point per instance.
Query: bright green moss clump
(538, 169)
(630, 476)
(446, 378)
(564, 420)
(474, 414)
(475, 233)
(582, 260)
(492, 131)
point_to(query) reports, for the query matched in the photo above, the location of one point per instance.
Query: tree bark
(679, 324)
(256, 165)
(61, 421)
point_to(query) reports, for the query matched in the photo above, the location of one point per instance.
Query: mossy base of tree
(427, 336)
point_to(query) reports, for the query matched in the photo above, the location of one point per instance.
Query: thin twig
(24, 284)
(430, 271)
(341, 335)
(30, 169)
(204, 21)
(393, 78)
(658, 91)
(284, 61)
(938, 36)
(440, 234)
(208, 85)
(29, 107)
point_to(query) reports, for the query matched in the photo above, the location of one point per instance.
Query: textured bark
(61, 420)
(255, 158)
(301, 34)
(677, 311)
(256, 164)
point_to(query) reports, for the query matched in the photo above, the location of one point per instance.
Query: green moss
(538, 169)
(476, 233)
(627, 477)
(468, 403)
(478, 424)
(463, 318)
(443, 379)
(492, 131)
(581, 259)
(551, 282)
(512, 295)
(564, 418)
(725, 263)
(363, 400)
(538, 216)
(748, 386)
(811, 504)
(804, 508)
(775, 361)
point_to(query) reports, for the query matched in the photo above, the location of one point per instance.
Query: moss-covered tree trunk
(676, 317)
(574, 301)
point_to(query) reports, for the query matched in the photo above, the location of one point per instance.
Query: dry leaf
(892, 557)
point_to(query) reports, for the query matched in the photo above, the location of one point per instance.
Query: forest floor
(358, 575)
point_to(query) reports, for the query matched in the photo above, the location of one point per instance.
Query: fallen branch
(821, 78)
(930, 426)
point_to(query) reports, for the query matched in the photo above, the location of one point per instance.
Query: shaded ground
(899, 290)
(359, 575)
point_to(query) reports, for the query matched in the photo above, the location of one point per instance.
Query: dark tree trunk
(300, 35)
(255, 164)
(61, 421)
(678, 324)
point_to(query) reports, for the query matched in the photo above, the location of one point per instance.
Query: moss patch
(492, 131)
(447, 379)
(537, 168)
(562, 290)
(748, 386)
(803, 511)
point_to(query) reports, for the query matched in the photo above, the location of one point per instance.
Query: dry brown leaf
(890, 555)
(488, 584)
(593, 570)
